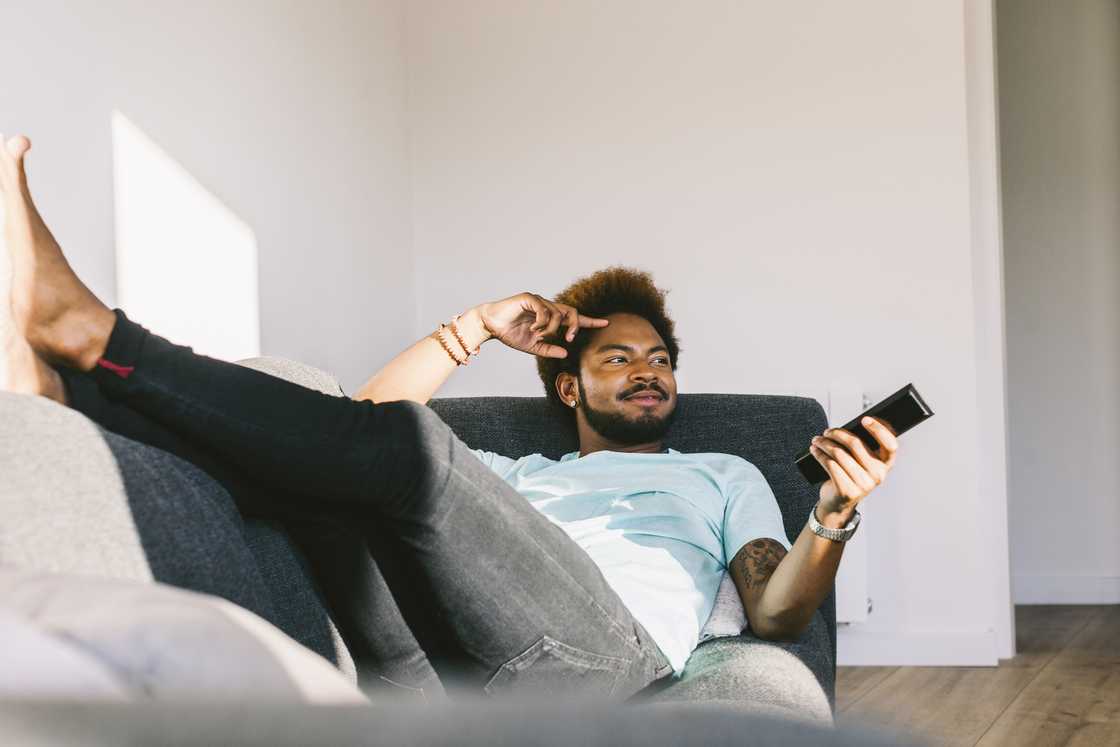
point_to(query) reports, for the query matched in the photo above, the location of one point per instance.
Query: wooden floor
(1063, 687)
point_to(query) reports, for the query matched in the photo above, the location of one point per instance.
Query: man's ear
(567, 386)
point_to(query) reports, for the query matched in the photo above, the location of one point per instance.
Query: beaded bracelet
(438, 334)
(455, 331)
(467, 352)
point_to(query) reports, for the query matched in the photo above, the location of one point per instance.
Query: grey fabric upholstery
(62, 494)
(86, 501)
(297, 373)
(766, 430)
(164, 643)
(461, 725)
(300, 611)
(758, 676)
(36, 664)
(81, 500)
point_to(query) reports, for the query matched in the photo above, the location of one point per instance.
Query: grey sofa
(80, 500)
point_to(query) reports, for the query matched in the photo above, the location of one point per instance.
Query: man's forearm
(801, 581)
(419, 372)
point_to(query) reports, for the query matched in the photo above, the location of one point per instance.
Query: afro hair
(615, 290)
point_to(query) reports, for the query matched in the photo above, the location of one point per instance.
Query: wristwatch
(836, 535)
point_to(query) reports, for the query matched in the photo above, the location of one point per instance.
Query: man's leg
(387, 654)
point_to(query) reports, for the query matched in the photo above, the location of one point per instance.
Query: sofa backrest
(768, 431)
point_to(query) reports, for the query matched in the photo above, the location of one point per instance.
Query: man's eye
(621, 359)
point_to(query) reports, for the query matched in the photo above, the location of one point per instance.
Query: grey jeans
(498, 597)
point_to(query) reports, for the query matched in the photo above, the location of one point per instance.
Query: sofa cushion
(295, 372)
(62, 494)
(298, 604)
(79, 499)
(161, 642)
(728, 617)
(35, 665)
(763, 676)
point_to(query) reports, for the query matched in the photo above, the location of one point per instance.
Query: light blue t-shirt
(661, 527)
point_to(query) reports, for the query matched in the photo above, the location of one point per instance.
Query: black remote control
(901, 411)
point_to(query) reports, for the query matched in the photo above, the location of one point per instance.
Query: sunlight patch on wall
(186, 265)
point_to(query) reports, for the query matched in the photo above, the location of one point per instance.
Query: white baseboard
(861, 648)
(1039, 589)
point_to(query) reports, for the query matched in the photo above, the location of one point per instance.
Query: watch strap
(836, 535)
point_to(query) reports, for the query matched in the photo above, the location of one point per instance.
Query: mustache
(655, 387)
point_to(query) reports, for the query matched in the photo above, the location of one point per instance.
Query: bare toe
(12, 175)
(17, 146)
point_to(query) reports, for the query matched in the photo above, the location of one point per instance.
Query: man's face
(628, 393)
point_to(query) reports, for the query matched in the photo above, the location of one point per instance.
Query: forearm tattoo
(757, 560)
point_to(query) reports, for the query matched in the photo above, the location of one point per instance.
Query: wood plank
(1042, 630)
(949, 705)
(957, 705)
(852, 683)
(1075, 699)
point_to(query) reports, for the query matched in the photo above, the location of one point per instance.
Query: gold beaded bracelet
(455, 331)
(438, 334)
(467, 352)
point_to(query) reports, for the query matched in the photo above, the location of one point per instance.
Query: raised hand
(524, 322)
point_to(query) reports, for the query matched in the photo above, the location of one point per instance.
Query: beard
(616, 427)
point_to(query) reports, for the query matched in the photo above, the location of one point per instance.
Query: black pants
(501, 598)
(347, 560)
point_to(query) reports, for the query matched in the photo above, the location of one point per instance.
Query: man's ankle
(87, 339)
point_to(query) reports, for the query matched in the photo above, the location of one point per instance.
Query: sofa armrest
(80, 500)
(63, 496)
(791, 679)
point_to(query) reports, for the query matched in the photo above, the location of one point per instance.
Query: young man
(592, 574)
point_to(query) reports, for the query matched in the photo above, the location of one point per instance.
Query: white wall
(797, 173)
(1059, 67)
(290, 113)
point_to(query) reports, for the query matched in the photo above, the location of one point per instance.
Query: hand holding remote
(853, 460)
(853, 469)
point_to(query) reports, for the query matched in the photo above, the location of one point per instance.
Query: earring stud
(572, 403)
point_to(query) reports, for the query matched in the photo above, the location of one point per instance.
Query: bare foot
(53, 311)
(25, 372)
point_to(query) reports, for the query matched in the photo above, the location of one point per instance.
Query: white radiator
(842, 401)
